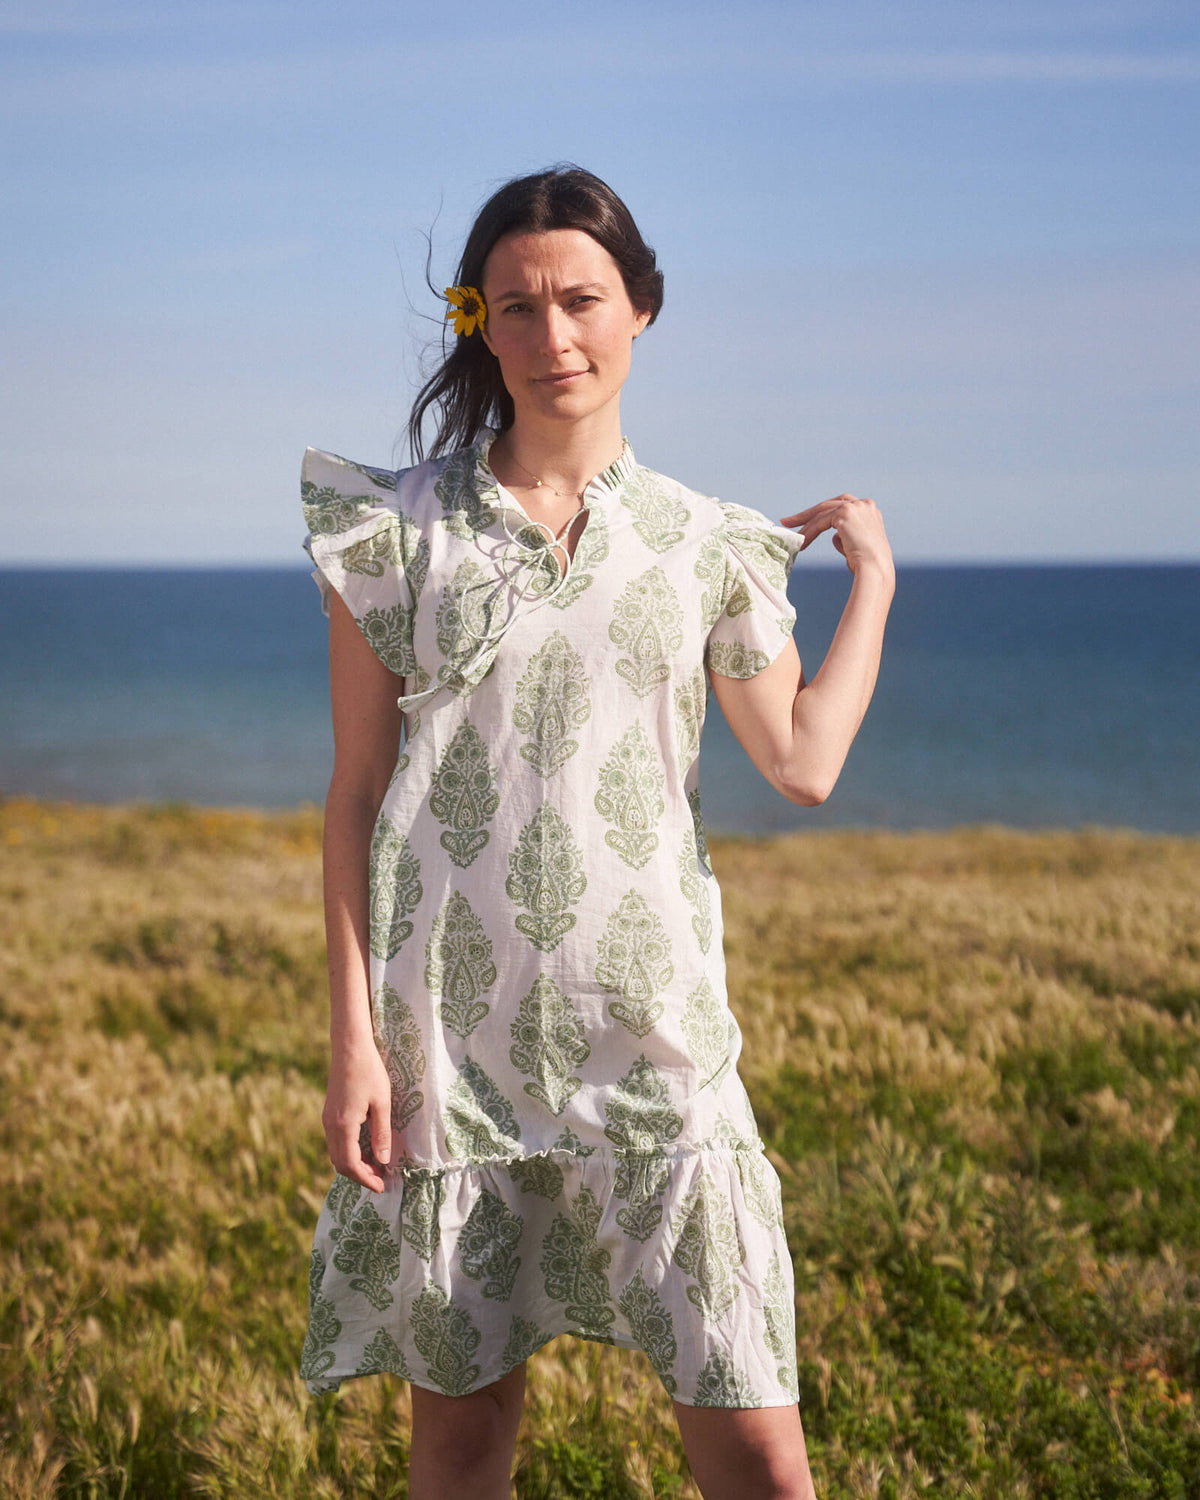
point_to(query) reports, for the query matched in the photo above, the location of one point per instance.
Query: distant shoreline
(824, 565)
(186, 814)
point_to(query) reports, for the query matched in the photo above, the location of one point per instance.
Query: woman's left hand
(857, 528)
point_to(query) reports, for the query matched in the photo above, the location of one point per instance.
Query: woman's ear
(640, 321)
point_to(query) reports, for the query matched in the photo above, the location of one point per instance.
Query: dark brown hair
(466, 392)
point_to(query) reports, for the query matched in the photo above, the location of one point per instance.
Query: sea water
(1032, 696)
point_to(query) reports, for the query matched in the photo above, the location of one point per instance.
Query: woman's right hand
(359, 1094)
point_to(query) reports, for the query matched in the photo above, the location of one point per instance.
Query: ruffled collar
(608, 483)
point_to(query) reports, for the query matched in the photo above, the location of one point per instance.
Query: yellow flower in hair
(467, 309)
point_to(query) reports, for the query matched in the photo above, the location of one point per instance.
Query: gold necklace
(540, 484)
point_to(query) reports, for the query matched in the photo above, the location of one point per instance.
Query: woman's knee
(466, 1433)
(737, 1454)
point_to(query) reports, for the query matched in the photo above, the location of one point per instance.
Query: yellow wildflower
(467, 309)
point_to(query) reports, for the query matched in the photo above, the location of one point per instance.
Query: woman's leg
(754, 1454)
(462, 1446)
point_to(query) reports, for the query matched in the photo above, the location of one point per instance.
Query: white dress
(575, 1152)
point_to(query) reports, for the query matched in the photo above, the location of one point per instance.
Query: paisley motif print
(553, 701)
(647, 623)
(546, 877)
(463, 795)
(635, 962)
(631, 797)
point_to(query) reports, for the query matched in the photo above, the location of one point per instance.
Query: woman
(533, 1106)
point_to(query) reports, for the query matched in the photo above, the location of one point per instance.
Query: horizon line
(57, 565)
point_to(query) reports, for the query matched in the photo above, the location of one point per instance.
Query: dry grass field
(975, 1058)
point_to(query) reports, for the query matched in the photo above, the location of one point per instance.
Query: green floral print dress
(575, 1151)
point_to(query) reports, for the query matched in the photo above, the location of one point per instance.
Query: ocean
(1038, 697)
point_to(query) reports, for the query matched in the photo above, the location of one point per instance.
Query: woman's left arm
(798, 733)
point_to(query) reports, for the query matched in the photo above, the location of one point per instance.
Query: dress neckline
(607, 483)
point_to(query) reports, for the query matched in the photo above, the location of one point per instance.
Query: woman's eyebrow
(567, 291)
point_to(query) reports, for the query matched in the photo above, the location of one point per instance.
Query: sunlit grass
(975, 1057)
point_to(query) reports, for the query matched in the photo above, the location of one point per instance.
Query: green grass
(975, 1059)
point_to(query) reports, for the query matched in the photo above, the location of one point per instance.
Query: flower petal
(467, 309)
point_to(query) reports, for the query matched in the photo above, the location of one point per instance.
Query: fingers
(831, 515)
(348, 1160)
(358, 1148)
(823, 507)
(381, 1135)
(358, 1116)
(351, 1163)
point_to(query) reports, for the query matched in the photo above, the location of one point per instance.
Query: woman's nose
(555, 331)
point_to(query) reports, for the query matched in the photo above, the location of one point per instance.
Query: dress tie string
(510, 563)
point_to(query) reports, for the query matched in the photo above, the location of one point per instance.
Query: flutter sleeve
(365, 549)
(756, 618)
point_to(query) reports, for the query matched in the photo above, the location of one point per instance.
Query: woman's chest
(624, 602)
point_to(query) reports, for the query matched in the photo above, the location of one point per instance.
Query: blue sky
(940, 253)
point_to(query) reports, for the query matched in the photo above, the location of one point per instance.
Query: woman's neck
(563, 461)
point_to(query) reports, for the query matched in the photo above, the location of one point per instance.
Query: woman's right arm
(366, 741)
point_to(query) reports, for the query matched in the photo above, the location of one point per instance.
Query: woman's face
(561, 324)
